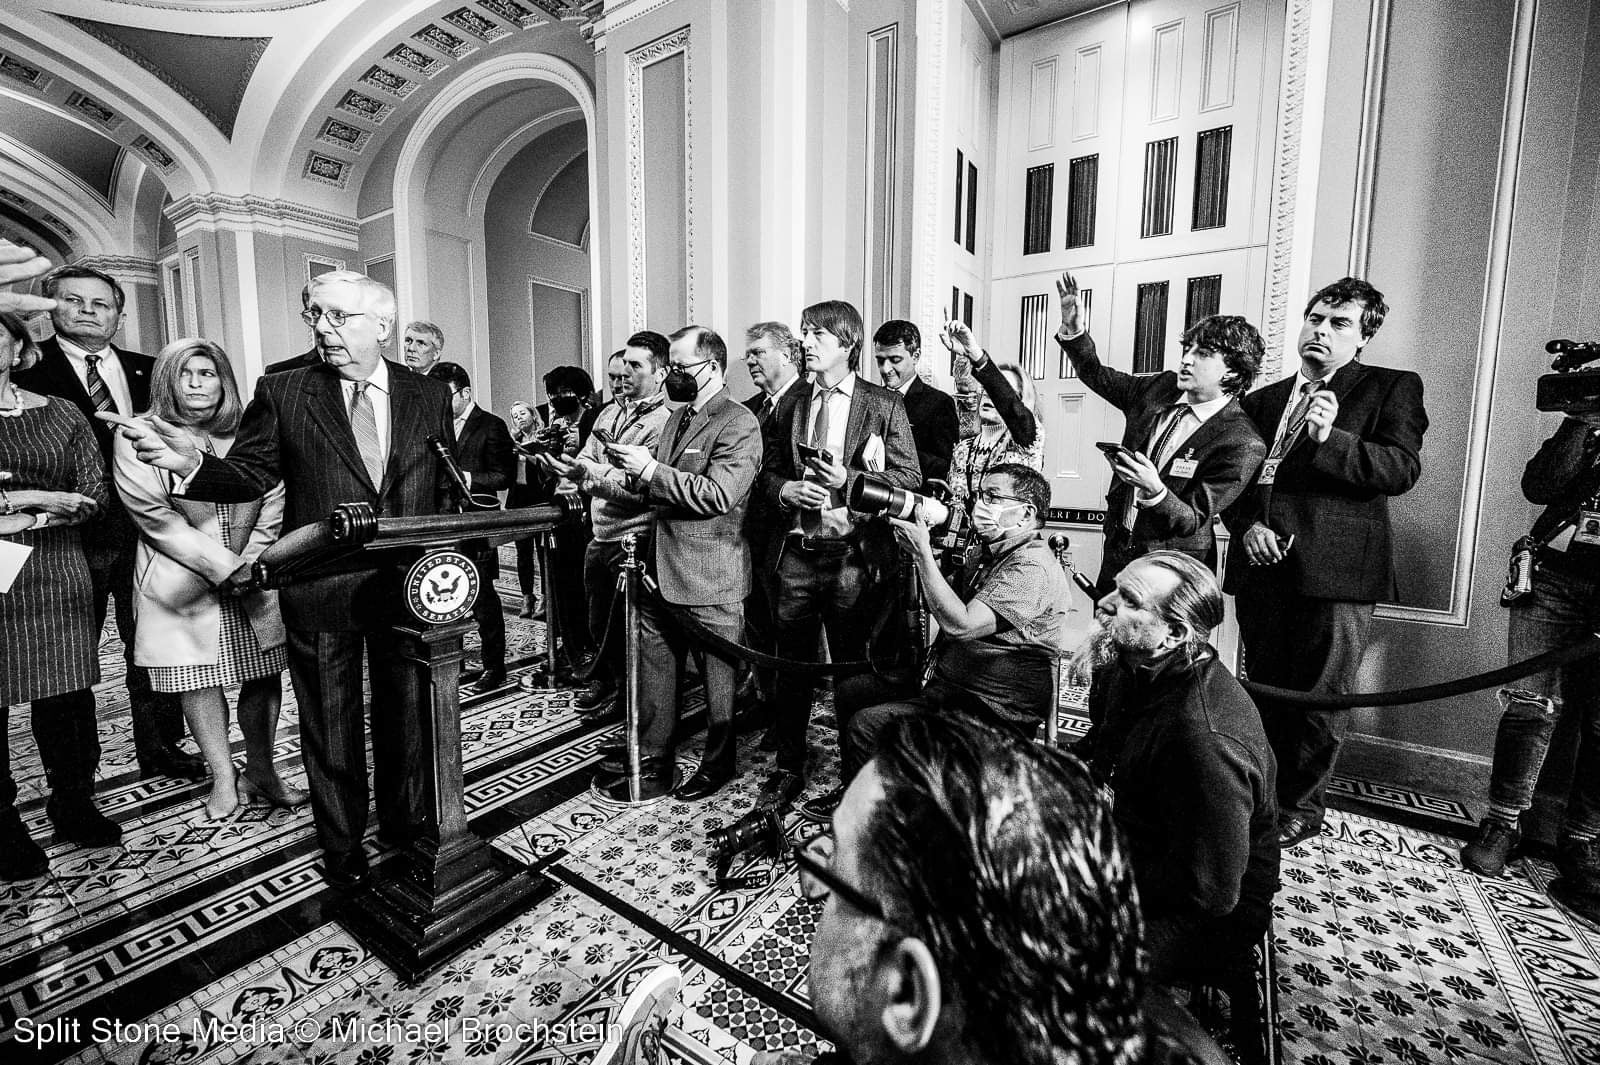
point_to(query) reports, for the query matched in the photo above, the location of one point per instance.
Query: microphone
(1058, 545)
(450, 466)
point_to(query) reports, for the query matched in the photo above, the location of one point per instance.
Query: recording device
(551, 440)
(438, 447)
(822, 454)
(760, 831)
(1569, 389)
(1059, 545)
(1110, 450)
(949, 527)
(604, 436)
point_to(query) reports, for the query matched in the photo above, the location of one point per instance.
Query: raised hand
(1071, 306)
(157, 443)
(21, 263)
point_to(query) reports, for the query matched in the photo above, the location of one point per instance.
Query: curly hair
(1237, 341)
(1002, 857)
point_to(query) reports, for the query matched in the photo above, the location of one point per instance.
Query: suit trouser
(326, 670)
(662, 646)
(157, 716)
(1309, 645)
(817, 590)
(759, 631)
(491, 619)
(65, 731)
(569, 612)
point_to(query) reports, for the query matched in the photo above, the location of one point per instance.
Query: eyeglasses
(830, 880)
(336, 318)
(689, 365)
(989, 495)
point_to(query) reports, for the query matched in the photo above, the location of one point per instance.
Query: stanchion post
(631, 567)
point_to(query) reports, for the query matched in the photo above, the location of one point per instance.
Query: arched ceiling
(280, 99)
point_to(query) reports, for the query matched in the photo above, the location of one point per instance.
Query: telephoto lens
(872, 496)
(760, 830)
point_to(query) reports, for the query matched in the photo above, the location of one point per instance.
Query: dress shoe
(1580, 896)
(20, 857)
(769, 739)
(703, 785)
(820, 809)
(1487, 855)
(531, 607)
(77, 820)
(607, 713)
(490, 680)
(781, 789)
(346, 869)
(1296, 830)
(599, 692)
(1578, 860)
(170, 760)
(656, 778)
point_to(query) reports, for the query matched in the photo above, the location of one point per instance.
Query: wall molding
(674, 43)
(932, 137)
(1495, 282)
(583, 318)
(129, 269)
(1288, 187)
(545, 188)
(1373, 84)
(215, 210)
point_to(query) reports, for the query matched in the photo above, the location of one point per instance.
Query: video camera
(949, 526)
(1567, 389)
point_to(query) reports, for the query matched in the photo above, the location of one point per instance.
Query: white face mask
(986, 518)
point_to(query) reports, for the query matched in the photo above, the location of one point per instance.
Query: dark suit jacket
(296, 430)
(699, 489)
(299, 362)
(484, 450)
(1227, 451)
(873, 409)
(760, 517)
(52, 376)
(934, 427)
(113, 533)
(1333, 497)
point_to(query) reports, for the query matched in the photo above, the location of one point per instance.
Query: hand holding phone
(1110, 450)
(604, 436)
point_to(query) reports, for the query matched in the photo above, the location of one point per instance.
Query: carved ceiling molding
(211, 211)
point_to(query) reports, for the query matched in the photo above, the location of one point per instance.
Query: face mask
(986, 519)
(565, 406)
(683, 385)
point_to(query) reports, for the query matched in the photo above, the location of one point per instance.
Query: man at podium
(352, 429)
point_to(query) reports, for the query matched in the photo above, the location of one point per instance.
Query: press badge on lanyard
(1269, 471)
(1588, 527)
(1184, 467)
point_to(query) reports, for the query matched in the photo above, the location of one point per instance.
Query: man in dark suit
(1312, 546)
(829, 571)
(698, 479)
(81, 365)
(1189, 448)
(897, 345)
(483, 451)
(306, 358)
(776, 362)
(352, 430)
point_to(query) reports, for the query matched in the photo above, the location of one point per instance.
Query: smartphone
(820, 453)
(1112, 450)
(604, 436)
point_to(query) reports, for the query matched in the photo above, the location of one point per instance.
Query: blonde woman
(199, 632)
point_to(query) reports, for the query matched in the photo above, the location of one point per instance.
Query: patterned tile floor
(209, 943)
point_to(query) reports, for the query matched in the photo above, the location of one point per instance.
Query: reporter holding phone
(1188, 449)
(1312, 550)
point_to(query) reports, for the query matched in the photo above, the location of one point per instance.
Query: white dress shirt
(1300, 381)
(109, 368)
(834, 520)
(1201, 413)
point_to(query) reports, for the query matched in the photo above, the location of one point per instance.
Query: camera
(949, 527)
(551, 440)
(760, 831)
(1568, 389)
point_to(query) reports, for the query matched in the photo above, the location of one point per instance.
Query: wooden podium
(447, 888)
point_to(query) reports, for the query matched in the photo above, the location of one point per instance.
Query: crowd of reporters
(748, 516)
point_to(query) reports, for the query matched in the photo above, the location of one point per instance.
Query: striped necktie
(1297, 420)
(365, 424)
(1181, 413)
(99, 394)
(683, 427)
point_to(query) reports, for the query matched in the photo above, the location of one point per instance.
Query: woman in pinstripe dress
(53, 481)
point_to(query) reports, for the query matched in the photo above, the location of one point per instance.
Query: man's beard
(1096, 651)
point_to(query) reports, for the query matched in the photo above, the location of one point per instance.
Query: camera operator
(1002, 627)
(1562, 607)
(568, 418)
(634, 416)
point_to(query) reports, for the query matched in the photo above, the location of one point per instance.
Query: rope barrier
(1427, 693)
